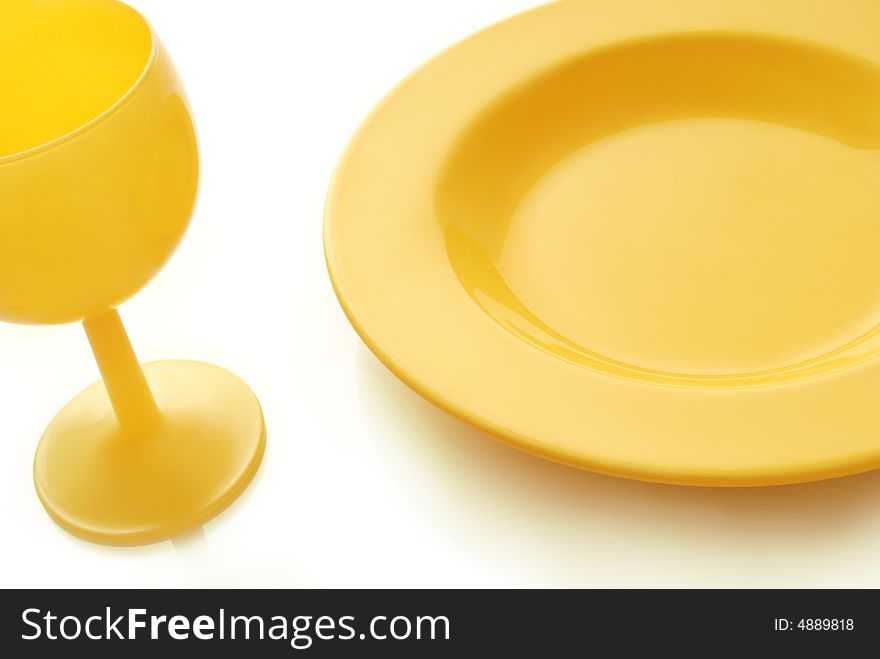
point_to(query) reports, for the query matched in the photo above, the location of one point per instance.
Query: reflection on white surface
(538, 523)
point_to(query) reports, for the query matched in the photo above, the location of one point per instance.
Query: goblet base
(114, 485)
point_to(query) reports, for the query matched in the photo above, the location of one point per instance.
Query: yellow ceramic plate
(638, 237)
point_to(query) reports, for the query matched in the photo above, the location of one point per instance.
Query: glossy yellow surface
(107, 484)
(98, 178)
(646, 244)
(98, 158)
(150, 453)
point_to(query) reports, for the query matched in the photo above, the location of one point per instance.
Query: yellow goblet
(98, 178)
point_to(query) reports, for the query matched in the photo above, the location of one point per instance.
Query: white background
(364, 483)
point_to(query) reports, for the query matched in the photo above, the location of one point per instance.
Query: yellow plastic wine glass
(98, 178)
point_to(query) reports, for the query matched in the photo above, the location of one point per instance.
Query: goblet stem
(130, 395)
